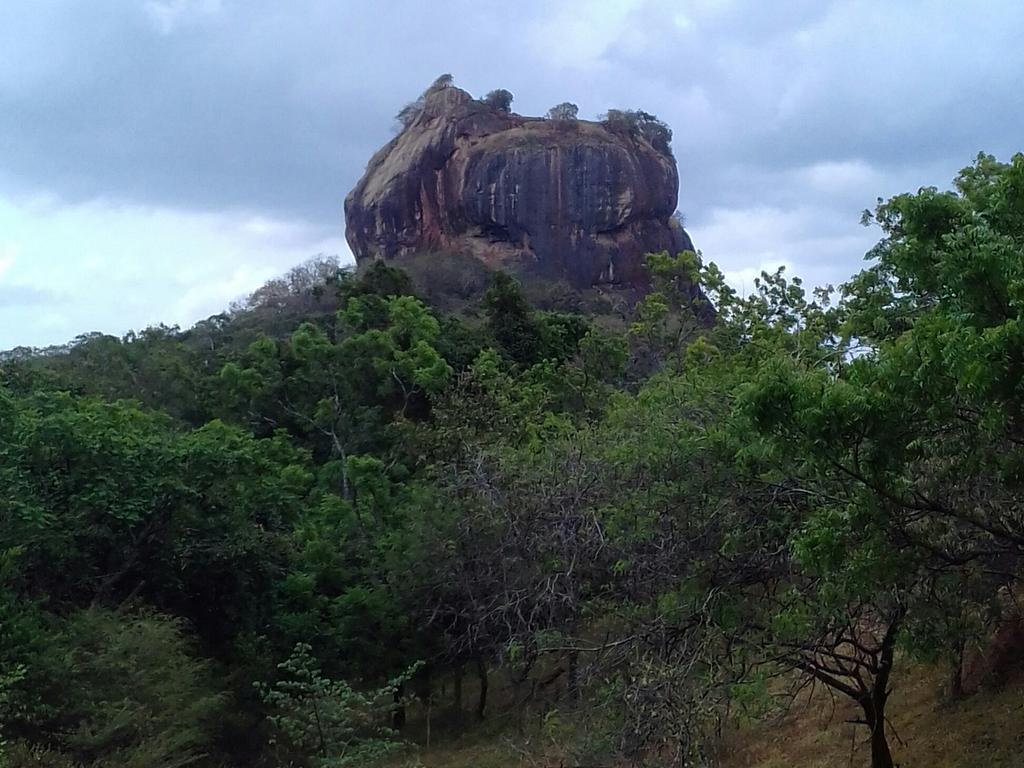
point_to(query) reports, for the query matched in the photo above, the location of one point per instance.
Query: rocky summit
(565, 199)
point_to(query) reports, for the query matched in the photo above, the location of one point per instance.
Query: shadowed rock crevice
(569, 200)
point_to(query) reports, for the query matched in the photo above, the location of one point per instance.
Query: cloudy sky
(159, 158)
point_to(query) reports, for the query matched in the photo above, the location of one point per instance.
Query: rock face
(573, 200)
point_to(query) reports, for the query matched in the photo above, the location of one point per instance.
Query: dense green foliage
(255, 542)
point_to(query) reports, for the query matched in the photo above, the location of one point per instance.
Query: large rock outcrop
(566, 199)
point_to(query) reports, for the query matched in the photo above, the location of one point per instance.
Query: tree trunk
(398, 716)
(573, 675)
(874, 707)
(457, 693)
(423, 684)
(481, 673)
(881, 757)
(956, 679)
(429, 702)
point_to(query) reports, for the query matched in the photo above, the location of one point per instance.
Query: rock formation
(566, 199)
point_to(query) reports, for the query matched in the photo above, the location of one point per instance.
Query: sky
(160, 158)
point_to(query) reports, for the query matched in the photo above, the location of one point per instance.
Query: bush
(647, 125)
(328, 720)
(24, 755)
(499, 99)
(564, 111)
(407, 115)
(134, 695)
(446, 279)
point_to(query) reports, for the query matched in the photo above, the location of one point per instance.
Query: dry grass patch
(985, 730)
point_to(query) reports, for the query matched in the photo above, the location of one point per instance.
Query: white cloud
(580, 31)
(112, 268)
(167, 15)
(839, 175)
(810, 242)
(204, 298)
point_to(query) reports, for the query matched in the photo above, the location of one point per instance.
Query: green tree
(510, 320)
(328, 720)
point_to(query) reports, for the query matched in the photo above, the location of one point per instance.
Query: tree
(516, 546)
(510, 319)
(499, 99)
(301, 287)
(566, 111)
(925, 419)
(407, 115)
(441, 82)
(906, 444)
(649, 126)
(328, 720)
(134, 692)
(354, 393)
(723, 548)
(672, 314)
(110, 503)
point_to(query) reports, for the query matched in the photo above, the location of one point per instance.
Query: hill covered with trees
(338, 518)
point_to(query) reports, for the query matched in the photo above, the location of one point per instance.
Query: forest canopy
(280, 536)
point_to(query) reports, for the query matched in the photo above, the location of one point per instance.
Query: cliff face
(571, 200)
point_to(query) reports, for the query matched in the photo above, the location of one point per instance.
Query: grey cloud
(266, 105)
(276, 107)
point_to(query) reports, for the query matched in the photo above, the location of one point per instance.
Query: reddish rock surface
(573, 200)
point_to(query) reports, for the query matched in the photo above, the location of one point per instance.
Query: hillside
(983, 729)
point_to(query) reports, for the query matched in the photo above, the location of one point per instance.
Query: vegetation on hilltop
(336, 517)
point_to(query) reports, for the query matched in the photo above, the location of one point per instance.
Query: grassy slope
(984, 730)
(494, 755)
